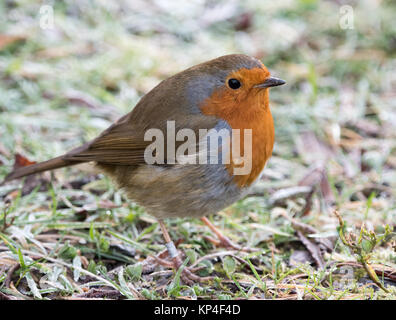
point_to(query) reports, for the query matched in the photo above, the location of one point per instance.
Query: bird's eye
(234, 83)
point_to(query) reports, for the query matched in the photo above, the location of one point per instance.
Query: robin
(229, 93)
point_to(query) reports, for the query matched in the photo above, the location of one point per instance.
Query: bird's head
(230, 85)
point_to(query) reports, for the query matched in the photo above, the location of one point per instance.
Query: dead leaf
(315, 246)
(243, 21)
(85, 100)
(366, 127)
(325, 243)
(312, 149)
(65, 51)
(318, 177)
(107, 204)
(11, 196)
(31, 182)
(313, 249)
(6, 40)
(101, 293)
(280, 196)
(379, 269)
(300, 256)
(4, 151)
(21, 161)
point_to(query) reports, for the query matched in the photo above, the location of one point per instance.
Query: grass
(72, 235)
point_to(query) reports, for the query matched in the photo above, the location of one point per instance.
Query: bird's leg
(223, 240)
(169, 244)
(187, 275)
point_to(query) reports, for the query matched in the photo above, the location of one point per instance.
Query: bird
(229, 94)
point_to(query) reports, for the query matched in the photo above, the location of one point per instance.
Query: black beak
(270, 82)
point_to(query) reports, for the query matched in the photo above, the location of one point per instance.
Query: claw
(187, 275)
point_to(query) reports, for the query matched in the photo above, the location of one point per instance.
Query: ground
(322, 215)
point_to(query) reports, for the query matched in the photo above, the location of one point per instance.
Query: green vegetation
(71, 235)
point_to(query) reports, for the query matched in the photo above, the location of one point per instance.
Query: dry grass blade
(335, 144)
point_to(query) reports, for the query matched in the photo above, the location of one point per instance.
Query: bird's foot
(187, 275)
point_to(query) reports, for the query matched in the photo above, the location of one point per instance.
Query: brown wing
(123, 143)
(120, 144)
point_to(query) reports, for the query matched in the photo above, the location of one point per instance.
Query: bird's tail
(51, 164)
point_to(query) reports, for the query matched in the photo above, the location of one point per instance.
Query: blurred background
(68, 69)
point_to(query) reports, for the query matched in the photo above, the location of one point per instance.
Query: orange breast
(249, 110)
